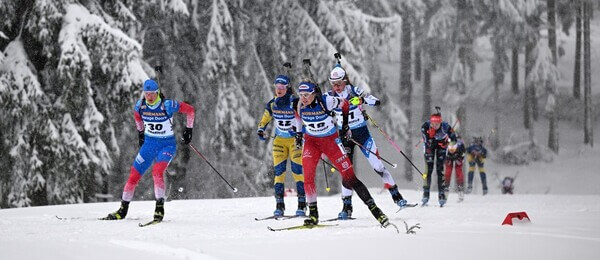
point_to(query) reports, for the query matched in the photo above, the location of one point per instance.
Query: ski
(284, 217)
(336, 219)
(86, 218)
(106, 218)
(301, 227)
(410, 205)
(149, 223)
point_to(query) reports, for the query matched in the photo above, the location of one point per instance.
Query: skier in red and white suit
(322, 138)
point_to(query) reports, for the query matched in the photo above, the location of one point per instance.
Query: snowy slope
(562, 227)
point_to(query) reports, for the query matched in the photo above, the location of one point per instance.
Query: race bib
(158, 129)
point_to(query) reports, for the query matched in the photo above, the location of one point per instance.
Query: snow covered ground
(561, 197)
(563, 226)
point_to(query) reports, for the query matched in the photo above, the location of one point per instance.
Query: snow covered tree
(503, 20)
(435, 41)
(218, 55)
(70, 142)
(543, 72)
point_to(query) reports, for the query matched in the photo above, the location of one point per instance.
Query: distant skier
(154, 121)
(476, 154)
(341, 87)
(435, 141)
(322, 138)
(454, 160)
(282, 109)
(507, 185)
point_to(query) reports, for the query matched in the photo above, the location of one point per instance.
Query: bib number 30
(154, 127)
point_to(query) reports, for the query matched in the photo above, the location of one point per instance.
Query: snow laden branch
(543, 70)
(220, 54)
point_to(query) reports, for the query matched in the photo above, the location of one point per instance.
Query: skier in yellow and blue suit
(282, 109)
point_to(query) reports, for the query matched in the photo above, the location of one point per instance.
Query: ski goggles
(336, 82)
(280, 86)
(305, 94)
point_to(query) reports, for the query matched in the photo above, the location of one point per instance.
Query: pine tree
(462, 64)
(543, 71)
(97, 67)
(435, 41)
(215, 55)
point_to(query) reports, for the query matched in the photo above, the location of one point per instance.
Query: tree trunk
(588, 134)
(406, 86)
(533, 103)
(529, 92)
(577, 69)
(426, 93)
(418, 70)
(515, 70)
(553, 119)
(495, 142)
(527, 97)
(463, 43)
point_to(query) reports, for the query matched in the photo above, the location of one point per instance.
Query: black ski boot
(425, 199)
(442, 199)
(470, 177)
(483, 182)
(346, 212)
(119, 214)
(301, 206)
(279, 206)
(397, 197)
(378, 214)
(313, 215)
(159, 211)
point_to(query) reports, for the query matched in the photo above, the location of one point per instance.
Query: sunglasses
(305, 94)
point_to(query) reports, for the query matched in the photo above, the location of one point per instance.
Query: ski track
(226, 229)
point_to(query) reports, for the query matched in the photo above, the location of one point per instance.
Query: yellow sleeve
(266, 118)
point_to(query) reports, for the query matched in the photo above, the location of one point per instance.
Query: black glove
(365, 115)
(299, 136)
(261, 134)
(346, 133)
(187, 136)
(141, 137)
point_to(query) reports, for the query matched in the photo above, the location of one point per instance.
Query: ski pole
(396, 146)
(326, 181)
(383, 159)
(330, 165)
(198, 152)
(159, 70)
